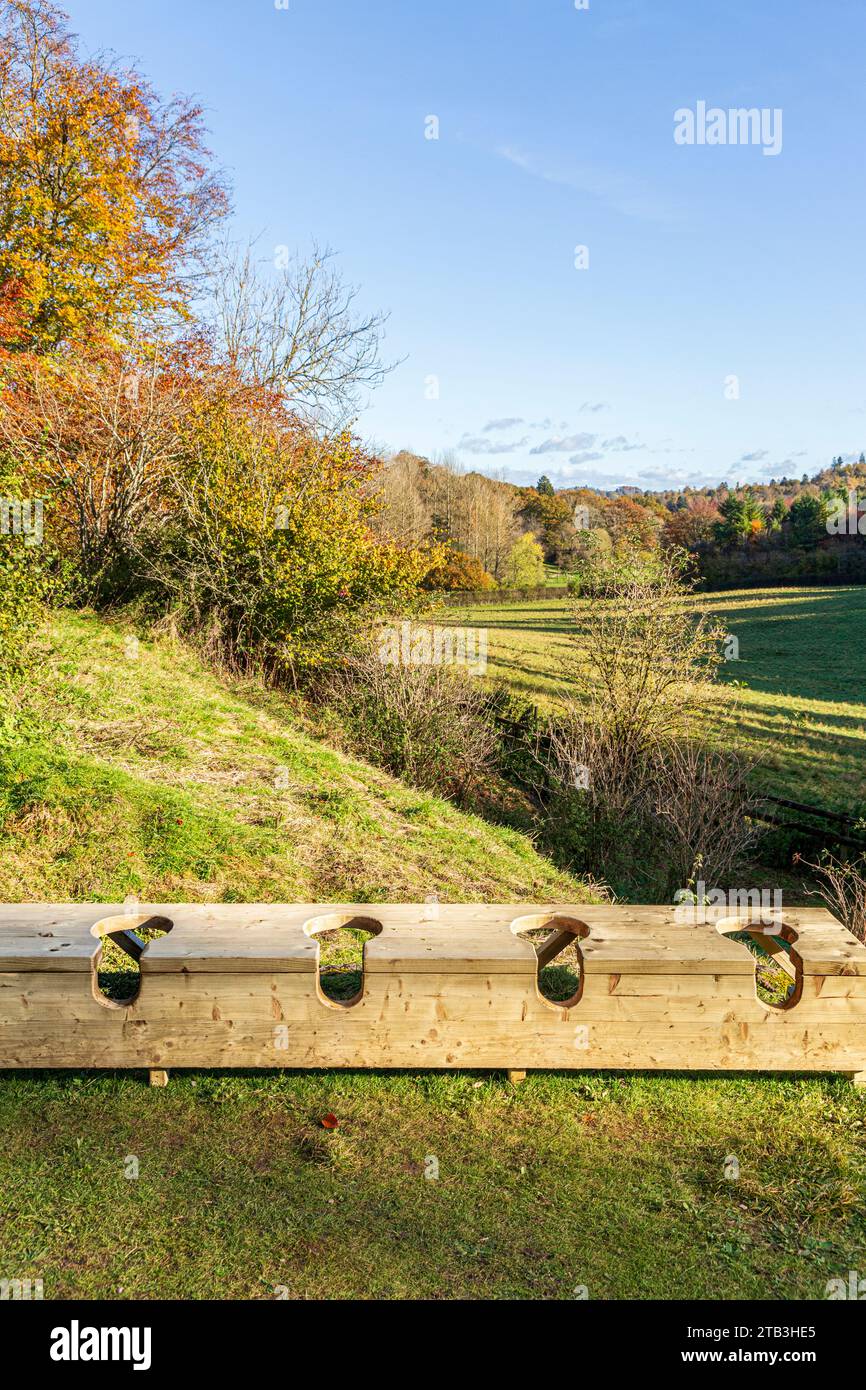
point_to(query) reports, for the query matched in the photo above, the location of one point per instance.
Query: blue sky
(556, 130)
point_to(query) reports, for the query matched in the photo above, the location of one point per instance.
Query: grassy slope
(802, 659)
(159, 779)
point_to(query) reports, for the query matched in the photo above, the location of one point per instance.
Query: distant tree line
(787, 530)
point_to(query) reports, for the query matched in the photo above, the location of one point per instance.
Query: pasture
(795, 699)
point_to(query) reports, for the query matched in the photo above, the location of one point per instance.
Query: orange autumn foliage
(105, 192)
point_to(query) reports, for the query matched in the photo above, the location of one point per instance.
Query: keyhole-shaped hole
(118, 976)
(778, 967)
(341, 939)
(556, 939)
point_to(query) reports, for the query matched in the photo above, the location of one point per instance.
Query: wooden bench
(443, 986)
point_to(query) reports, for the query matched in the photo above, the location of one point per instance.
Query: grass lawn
(800, 680)
(614, 1183)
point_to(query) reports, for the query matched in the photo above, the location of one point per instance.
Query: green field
(799, 698)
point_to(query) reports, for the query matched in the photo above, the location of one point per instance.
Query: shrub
(22, 591)
(459, 572)
(263, 544)
(842, 886)
(427, 724)
(627, 789)
(24, 579)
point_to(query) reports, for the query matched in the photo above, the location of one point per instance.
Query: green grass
(152, 777)
(799, 683)
(554, 577)
(614, 1183)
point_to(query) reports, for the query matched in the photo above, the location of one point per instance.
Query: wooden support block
(858, 1078)
(158, 1077)
(515, 1077)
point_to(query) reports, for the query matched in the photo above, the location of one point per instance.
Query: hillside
(133, 769)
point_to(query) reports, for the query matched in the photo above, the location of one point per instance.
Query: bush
(842, 886)
(627, 791)
(459, 572)
(427, 724)
(263, 545)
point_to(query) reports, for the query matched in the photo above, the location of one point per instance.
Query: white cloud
(475, 444)
(621, 444)
(564, 443)
(494, 426)
(626, 194)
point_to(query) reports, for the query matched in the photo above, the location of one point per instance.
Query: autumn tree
(98, 431)
(525, 569)
(630, 524)
(690, 526)
(293, 325)
(552, 518)
(107, 195)
(404, 514)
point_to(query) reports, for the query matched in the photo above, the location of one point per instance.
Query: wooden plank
(440, 1021)
(458, 949)
(214, 949)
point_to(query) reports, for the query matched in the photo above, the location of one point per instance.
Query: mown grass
(615, 1183)
(796, 697)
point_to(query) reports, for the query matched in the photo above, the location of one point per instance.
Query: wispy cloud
(564, 443)
(476, 444)
(626, 193)
(494, 426)
(582, 459)
(621, 445)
